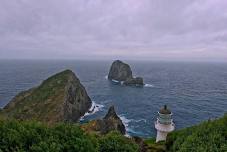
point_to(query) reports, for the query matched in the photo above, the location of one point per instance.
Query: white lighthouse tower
(164, 124)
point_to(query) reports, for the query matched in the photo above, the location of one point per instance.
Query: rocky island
(111, 122)
(59, 98)
(122, 73)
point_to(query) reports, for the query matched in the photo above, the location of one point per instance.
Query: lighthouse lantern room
(164, 124)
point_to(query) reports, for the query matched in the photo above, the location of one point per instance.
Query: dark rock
(111, 122)
(121, 71)
(138, 81)
(165, 110)
(59, 98)
(111, 114)
(77, 101)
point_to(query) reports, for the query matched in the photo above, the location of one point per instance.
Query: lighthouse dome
(165, 110)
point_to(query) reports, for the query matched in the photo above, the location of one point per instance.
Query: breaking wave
(148, 85)
(126, 122)
(94, 108)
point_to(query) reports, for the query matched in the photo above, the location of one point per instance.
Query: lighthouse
(164, 124)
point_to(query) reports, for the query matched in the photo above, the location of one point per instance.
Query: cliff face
(121, 71)
(111, 122)
(59, 98)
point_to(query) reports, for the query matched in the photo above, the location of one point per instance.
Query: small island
(121, 72)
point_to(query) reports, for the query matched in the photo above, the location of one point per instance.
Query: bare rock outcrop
(122, 73)
(111, 122)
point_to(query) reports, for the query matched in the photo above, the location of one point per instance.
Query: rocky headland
(59, 98)
(122, 73)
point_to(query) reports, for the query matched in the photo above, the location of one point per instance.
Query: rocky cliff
(138, 81)
(111, 122)
(121, 71)
(59, 98)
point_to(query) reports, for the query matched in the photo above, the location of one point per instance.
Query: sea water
(193, 91)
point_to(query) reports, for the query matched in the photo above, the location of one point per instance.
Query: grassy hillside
(209, 136)
(37, 103)
(31, 136)
(59, 98)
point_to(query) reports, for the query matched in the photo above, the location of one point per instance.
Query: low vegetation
(31, 136)
(152, 146)
(209, 136)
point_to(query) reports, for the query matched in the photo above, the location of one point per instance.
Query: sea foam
(94, 108)
(126, 122)
(148, 85)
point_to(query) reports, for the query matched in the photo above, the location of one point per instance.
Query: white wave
(144, 120)
(148, 85)
(129, 131)
(126, 124)
(115, 81)
(125, 120)
(132, 131)
(94, 108)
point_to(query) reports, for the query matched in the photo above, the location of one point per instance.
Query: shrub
(32, 136)
(209, 136)
(114, 141)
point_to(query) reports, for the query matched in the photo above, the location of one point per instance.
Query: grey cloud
(148, 29)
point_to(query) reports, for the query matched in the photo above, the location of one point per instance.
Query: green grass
(153, 146)
(150, 141)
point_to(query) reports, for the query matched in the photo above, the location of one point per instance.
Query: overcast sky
(111, 29)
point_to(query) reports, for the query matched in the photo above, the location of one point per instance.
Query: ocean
(193, 91)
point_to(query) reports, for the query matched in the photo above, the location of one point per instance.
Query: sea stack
(122, 73)
(59, 98)
(111, 122)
